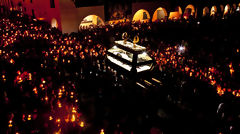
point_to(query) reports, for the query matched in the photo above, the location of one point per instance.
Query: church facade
(69, 15)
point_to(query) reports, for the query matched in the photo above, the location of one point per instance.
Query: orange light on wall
(41, 19)
(174, 16)
(54, 23)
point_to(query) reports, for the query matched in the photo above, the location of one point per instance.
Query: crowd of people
(60, 83)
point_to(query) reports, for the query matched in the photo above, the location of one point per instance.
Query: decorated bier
(130, 56)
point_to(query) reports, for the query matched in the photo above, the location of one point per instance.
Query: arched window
(189, 10)
(213, 11)
(159, 14)
(205, 11)
(91, 20)
(227, 9)
(141, 16)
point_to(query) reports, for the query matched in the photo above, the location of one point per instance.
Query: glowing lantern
(71, 95)
(213, 82)
(41, 85)
(59, 131)
(20, 80)
(237, 95)
(29, 76)
(18, 72)
(35, 90)
(73, 118)
(59, 104)
(46, 98)
(74, 110)
(230, 65)
(102, 131)
(190, 74)
(58, 120)
(82, 124)
(10, 123)
(60, 94)
(12, 61)
(29, 117)
(50, 118)
(67, 120)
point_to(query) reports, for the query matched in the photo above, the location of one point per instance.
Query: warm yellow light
(102, 131)
(35, 90)
(73, 118)
(58, 120)
(56, 59)
(59, 104)
(11, 61)
(231, 71)
(10, 123)
(46, 98)
(74, 110)
(30, 76)
(82, 124)
(29, 117)
(50, 118)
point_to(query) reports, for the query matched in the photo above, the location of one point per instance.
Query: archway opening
(54, 23)
(205, 11)
(159, 14)
(189, 11)
(213, 11)
(141, 15)
(91, 20)
(227, 9)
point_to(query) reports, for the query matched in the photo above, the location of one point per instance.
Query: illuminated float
(130, 56)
